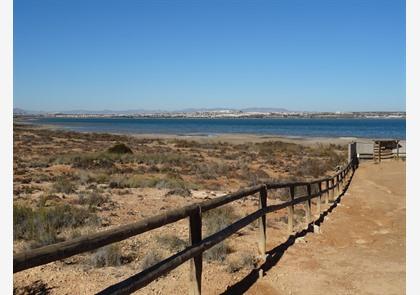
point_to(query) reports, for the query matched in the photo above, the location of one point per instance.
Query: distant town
(209, 113)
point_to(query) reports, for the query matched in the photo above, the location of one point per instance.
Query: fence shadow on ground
(275, 254)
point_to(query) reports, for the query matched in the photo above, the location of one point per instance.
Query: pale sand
(233, 138)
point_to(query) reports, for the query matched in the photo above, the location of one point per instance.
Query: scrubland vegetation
(68, 183)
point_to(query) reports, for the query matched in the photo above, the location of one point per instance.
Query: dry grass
(244, 261)
(38, 287)
(151, 259)
(218, 252)
(43, 225)
(63, 185)
(218, 219)
(171, 242)
(107, 256)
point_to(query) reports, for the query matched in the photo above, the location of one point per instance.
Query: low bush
(172, 242)
(218, 252)
(120, 148)
(107, 256)
(312, 168)
(184, 192)
(86, 177)
(42, 225)
(47, 200)
(169, 158)
(134, 181)
(217, 219)
(131, 181)
(211, 170)
(246, 261)
(88, 160)
(269, 148)
(151, 259)
(93, 199)
(214, 221)
(63, 185)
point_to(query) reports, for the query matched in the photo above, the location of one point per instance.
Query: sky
(299, 55)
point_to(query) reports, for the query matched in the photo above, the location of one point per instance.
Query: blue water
(365, 128)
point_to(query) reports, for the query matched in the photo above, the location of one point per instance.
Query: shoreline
(233, 138)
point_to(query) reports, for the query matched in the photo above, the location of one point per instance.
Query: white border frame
(413, 145)
(6, 145)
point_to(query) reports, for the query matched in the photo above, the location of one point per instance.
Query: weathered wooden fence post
(262, 223)
(351, 151)
(291, 209)
(327, 193)
(318, 204)
(344, 177)
(308, 205)
(348, 173)
(330, 184)
(196, 264)
(338, 186)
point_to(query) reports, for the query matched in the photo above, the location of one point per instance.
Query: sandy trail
(361, 248)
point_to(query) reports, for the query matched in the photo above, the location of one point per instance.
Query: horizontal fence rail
(330, 187)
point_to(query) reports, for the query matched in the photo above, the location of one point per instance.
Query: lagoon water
(362, 128)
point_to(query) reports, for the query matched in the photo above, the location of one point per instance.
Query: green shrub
(86, 177)
(134, 181)
(217, 219)
(46, 200)
(63, 185)
(269, 148)
(214, 221)
(43, 225)
(170, 158)
(312, 168)
(89, 160)
(211, 170)
(120, 148)
(131, 181)
(93, 199)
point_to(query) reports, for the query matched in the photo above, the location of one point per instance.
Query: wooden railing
(330, 187)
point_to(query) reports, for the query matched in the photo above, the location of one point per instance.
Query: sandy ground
(240, 138)
(361, 248)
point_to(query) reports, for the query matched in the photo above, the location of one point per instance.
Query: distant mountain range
(19, 111)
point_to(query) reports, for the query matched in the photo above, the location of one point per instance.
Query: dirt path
(361, 248)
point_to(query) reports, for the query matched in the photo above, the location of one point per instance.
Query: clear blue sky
(301, 55)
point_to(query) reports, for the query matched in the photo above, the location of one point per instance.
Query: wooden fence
(329, 187)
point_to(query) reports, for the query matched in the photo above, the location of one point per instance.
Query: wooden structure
(382, 149)
(330, 188)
